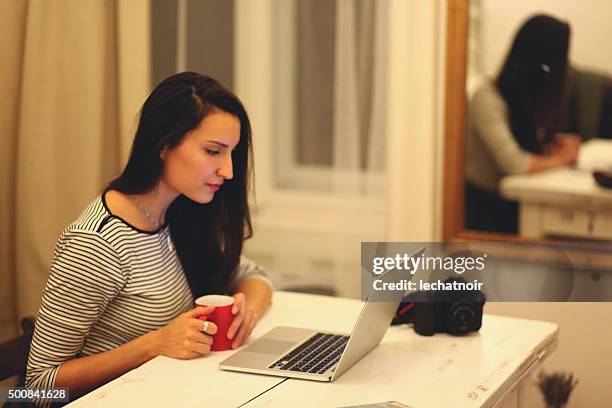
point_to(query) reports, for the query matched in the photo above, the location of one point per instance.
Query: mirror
(503, 179)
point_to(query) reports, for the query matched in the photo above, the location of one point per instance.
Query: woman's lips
(214, 187)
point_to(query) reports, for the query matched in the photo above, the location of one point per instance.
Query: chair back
(14, 352)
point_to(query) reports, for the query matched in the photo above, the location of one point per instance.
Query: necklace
(152, 221)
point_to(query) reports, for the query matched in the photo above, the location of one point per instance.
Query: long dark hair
(208, 237)
(532, 78)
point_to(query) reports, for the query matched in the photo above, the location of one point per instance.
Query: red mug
(222, 316)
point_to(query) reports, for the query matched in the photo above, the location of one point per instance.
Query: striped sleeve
(248, 269)
(85, 276)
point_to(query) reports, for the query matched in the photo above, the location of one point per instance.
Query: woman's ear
(163, 153)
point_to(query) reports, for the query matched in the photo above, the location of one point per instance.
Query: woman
(169, 229)
(514, 122)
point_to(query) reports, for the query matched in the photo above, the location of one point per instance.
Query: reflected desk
(565, 201)
(482, 370)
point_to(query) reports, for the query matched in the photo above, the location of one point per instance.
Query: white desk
(565, 201)
(475, 371)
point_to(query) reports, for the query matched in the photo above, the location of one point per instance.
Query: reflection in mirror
(539, 119)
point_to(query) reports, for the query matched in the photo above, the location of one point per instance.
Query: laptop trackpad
(269, 346)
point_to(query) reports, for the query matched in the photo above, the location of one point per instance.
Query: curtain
(12, 17)
(359, 132)
(360, 90)
(79, 71)
(341, 85)
(314, 88)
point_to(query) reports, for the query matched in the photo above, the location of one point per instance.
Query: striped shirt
(109, 284)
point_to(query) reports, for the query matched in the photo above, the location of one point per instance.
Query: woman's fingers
(200, 348)
(198, 342)
(184, 337)
(204, 339)
(244, 331)
(235, 326)
(239, 303)
(251, 326)
(200, 310)
(200, 325)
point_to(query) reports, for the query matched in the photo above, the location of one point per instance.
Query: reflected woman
(514, 120)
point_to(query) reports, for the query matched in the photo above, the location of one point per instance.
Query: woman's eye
(212, 152)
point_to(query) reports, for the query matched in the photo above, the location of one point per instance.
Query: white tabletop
(473, 371)
(167, 382)
(438, 371)
(164, 382)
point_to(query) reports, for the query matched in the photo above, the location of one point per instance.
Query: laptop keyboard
(316, 355)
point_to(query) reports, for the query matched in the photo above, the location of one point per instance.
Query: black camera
(449, 311)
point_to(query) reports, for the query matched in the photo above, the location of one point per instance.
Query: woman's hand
(566, 148)
(563, 151)
(183, 337)
(244, 321)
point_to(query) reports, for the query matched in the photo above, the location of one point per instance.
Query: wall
(584, 346)
(589, 20)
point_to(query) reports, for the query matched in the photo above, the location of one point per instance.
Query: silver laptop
(313, 355)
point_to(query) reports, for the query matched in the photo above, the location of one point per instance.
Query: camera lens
(461, 317)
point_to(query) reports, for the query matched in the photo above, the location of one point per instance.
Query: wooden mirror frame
(455, 125)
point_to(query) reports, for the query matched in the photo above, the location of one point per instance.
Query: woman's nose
(226, 170)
